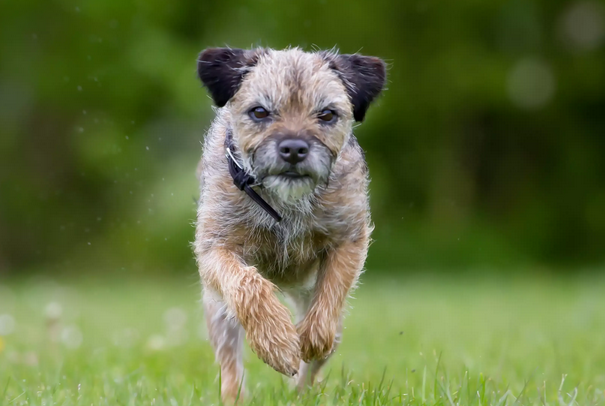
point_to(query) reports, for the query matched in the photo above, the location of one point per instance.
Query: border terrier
(284, 204)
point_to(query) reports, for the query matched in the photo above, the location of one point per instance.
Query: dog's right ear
(222, 70)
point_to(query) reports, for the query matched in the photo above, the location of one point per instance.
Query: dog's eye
(258, 113)
(327, 116)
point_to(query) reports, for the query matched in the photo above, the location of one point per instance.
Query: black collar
(244, 181)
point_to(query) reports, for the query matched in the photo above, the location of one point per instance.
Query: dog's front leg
(338, 274)
(251, 298)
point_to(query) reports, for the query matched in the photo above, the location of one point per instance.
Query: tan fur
(314, 256)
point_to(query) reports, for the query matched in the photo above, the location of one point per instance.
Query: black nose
(293, 150)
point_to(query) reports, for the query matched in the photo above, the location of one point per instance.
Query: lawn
(428, 341)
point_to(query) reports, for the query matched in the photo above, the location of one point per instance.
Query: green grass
(436, 341)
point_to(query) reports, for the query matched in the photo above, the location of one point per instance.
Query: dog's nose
(293, 150)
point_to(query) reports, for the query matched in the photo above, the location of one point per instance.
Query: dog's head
(290, 112)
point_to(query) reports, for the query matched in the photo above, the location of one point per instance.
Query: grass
(436, 341)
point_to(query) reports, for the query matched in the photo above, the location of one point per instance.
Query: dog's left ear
(222, 70)
(364, 78)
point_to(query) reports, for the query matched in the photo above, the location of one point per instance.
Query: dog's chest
(283, 257)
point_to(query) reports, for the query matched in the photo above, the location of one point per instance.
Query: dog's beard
(290, 184)
(289, 189)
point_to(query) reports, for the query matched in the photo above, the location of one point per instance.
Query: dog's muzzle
(297, 163)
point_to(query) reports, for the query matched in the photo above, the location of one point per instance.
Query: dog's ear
(364, 78)
(222, 70)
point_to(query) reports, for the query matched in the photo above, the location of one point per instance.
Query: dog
(283, 204)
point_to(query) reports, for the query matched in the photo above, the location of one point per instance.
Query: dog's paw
(232, 392)
(316, 338)
(274, 339)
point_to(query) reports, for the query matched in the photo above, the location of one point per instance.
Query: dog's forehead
(294, 76)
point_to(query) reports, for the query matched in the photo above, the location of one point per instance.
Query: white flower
(155, 342)
(71, 336)
(7, 324)
(53, 310)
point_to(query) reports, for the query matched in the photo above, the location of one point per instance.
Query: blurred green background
(487, 150)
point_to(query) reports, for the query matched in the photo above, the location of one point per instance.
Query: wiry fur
(316, 253)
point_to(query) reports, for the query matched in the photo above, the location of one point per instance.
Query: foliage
(487, 147)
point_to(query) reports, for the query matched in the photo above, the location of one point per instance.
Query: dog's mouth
(293, 175)
(290, 174)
